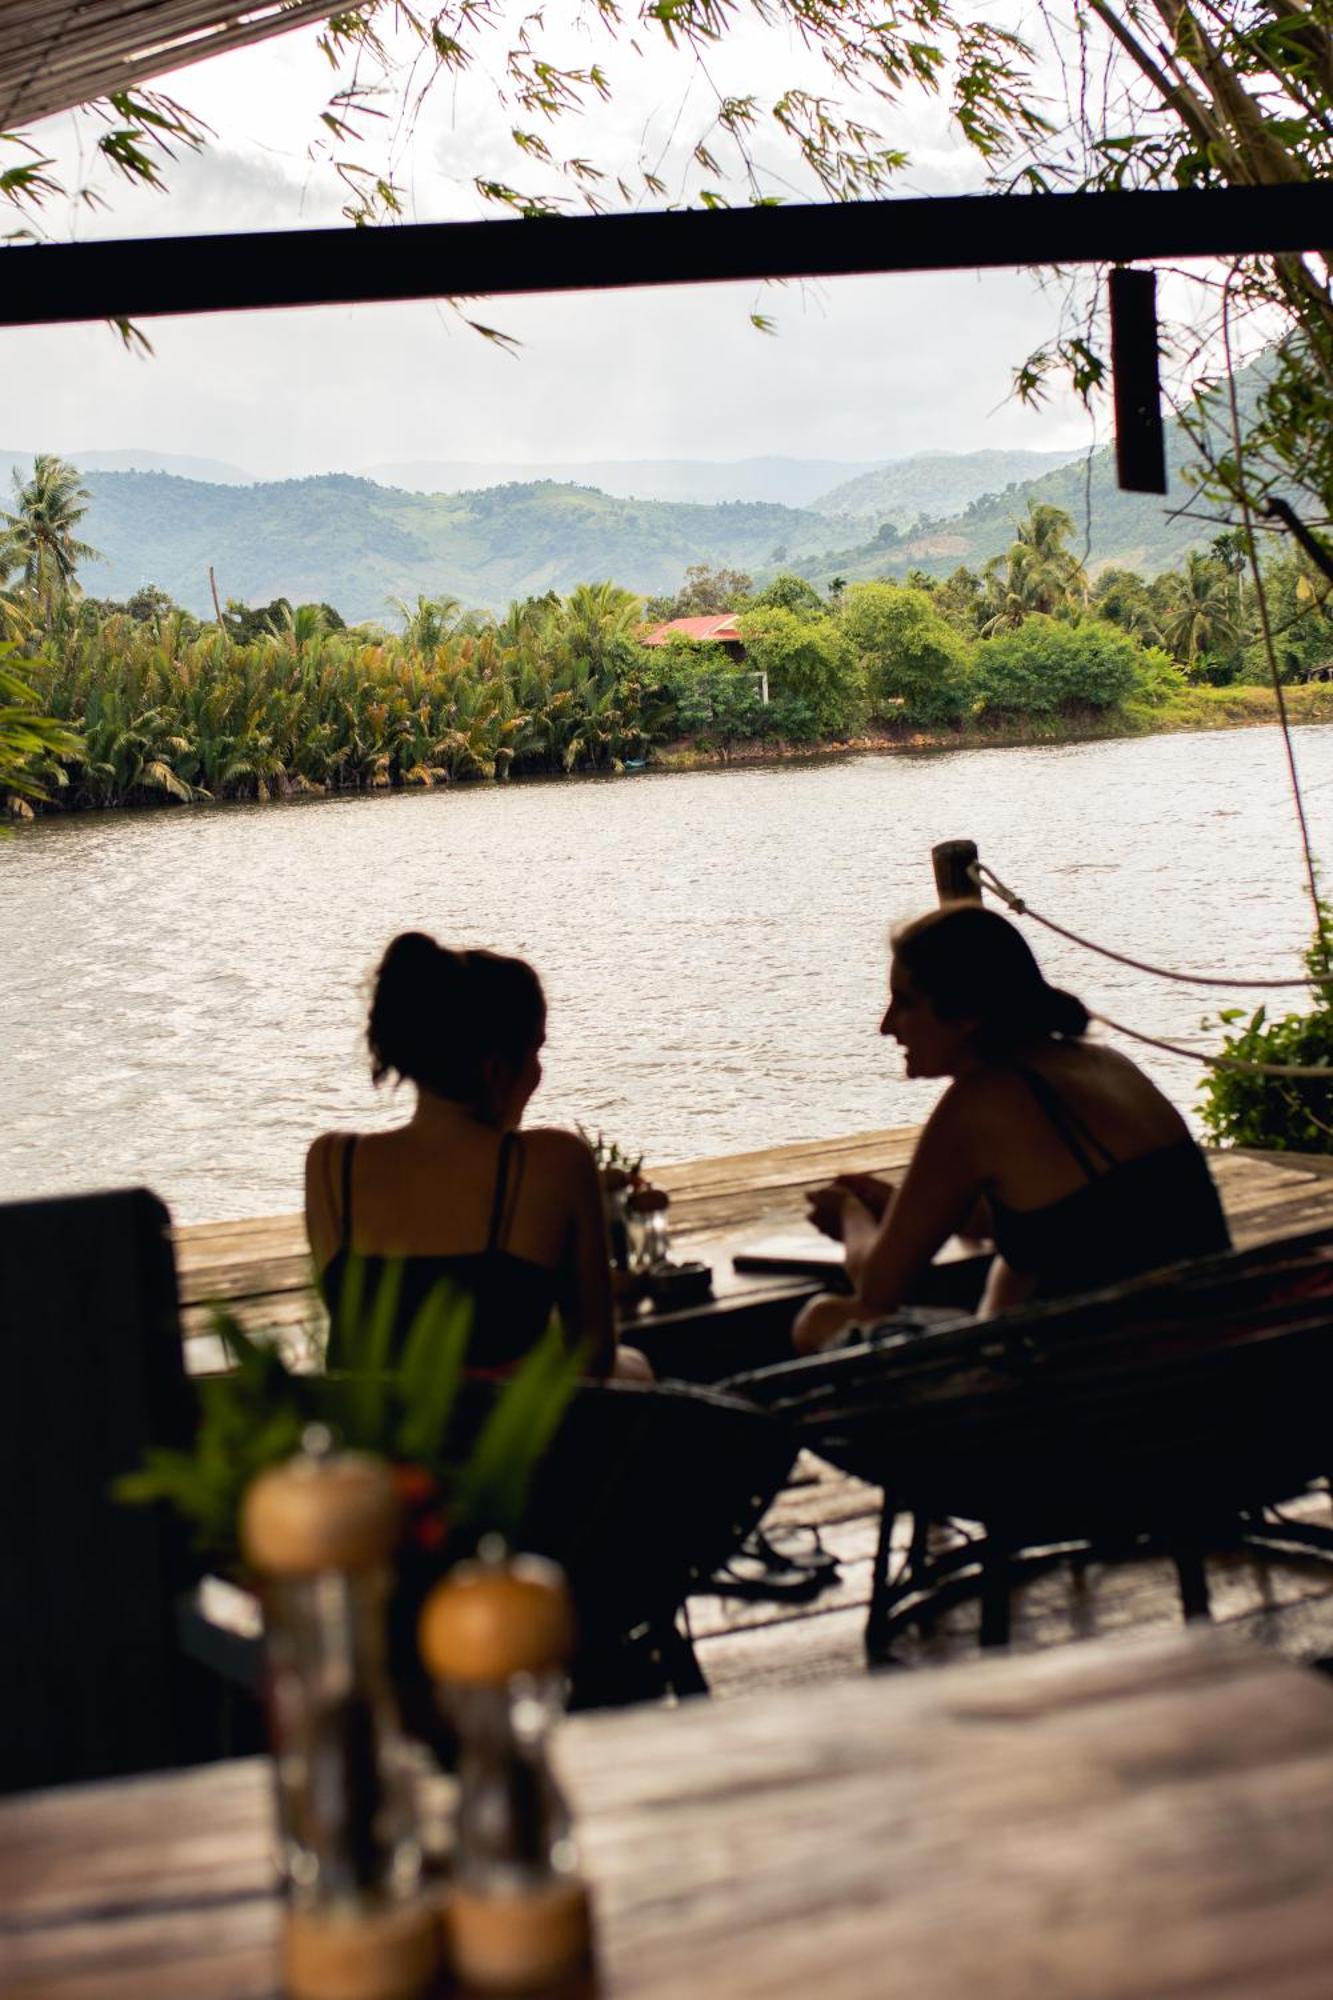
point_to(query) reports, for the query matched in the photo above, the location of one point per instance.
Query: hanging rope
(1265, 624)
(988, 879)
(1306, 1075)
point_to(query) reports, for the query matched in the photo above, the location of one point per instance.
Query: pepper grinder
(320, 1530)
(496, 1635)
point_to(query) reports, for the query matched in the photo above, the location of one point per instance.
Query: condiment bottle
(496, 1635)
(319, 1530)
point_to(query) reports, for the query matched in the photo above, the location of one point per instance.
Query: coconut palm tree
(39, 539)
(1039, 573)
(1199, 615)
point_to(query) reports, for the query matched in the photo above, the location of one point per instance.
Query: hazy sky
(859, 369)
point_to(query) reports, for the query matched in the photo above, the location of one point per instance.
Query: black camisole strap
(345, 1239)
(496, 1233)
(1077, 1136)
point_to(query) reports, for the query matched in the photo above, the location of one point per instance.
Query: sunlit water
(184, 990)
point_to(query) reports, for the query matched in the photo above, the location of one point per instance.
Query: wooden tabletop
(1121, 1818)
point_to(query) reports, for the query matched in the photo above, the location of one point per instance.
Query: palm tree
(429, 622)
(1199, 619)
(39, 537)
(1039, 573)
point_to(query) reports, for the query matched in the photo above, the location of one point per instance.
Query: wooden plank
(1112, 1820)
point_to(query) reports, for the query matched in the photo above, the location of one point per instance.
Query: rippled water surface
(184, 990)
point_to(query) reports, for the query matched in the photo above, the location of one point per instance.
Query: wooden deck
(260, 1270)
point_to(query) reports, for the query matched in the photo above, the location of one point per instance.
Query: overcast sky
(859, 369)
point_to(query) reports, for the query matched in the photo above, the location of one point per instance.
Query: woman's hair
(971, 962)
(438, 1016)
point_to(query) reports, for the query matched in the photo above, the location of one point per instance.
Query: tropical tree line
(113, 703)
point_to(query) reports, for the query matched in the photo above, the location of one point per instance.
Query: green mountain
(357, 545)
(935, 483)
(1142, 531)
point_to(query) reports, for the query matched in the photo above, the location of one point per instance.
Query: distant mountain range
(786, 482)
(215, 470)
(360, 544)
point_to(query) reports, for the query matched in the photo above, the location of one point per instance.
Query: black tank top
(512, 1296)
(1132, 1216)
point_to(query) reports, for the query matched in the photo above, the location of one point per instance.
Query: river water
(184, 990)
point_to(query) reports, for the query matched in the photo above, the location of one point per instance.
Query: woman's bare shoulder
(551, 1144)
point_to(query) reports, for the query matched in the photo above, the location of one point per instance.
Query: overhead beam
(145, 278)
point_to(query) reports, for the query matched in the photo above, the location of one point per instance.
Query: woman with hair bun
(1090, 1174)
(459, 1193)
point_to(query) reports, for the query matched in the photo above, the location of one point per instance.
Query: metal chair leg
(1192, 1576)
(996, 1584)
(877, 1616)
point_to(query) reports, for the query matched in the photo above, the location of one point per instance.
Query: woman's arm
(585, 1274)
(886, 1257)
(941, 1186)
(323, 1226)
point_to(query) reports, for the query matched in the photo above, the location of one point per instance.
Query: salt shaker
(319, 1530)
(496, 1635)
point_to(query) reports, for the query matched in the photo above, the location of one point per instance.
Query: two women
(1089, 1174)
(514, 1218)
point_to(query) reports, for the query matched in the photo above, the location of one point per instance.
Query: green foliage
(1045, 666)
(1278, 1114)
(31, 744)
(909, 653)
(815, 682)
(791, 593)
(255, 1416)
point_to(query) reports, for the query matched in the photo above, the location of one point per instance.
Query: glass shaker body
(514, 1828)
(347, 1824)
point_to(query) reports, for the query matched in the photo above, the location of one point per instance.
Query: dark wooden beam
(143, 278)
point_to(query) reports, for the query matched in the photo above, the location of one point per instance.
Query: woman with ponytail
(1089, 1174)
(459, 1193)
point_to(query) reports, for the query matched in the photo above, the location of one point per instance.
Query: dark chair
(643, 1494)
(1174, 1412)
(92, 1683)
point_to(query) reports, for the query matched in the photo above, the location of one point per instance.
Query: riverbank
(1195, 708)
(1191, 709)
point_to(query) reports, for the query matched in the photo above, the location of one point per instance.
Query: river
(184, 989)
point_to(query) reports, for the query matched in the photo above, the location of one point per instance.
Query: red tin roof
(721, 628)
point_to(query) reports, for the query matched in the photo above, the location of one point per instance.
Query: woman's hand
(870, 1191)
(821, 1322)
(827, 1208)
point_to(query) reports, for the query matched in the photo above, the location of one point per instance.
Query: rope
(1310, 1075)
(987, 878)
(1261, 599)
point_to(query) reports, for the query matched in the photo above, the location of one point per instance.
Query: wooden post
(954, 861)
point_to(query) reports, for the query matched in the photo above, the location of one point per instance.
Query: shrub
(909, 653)
(1045, 665)
(815, 682)
(1280, 1114)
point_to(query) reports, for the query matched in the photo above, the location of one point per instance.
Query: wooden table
(1121, 1818)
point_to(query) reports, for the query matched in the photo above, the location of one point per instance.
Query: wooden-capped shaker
(316, 1512)
(486, 1622)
